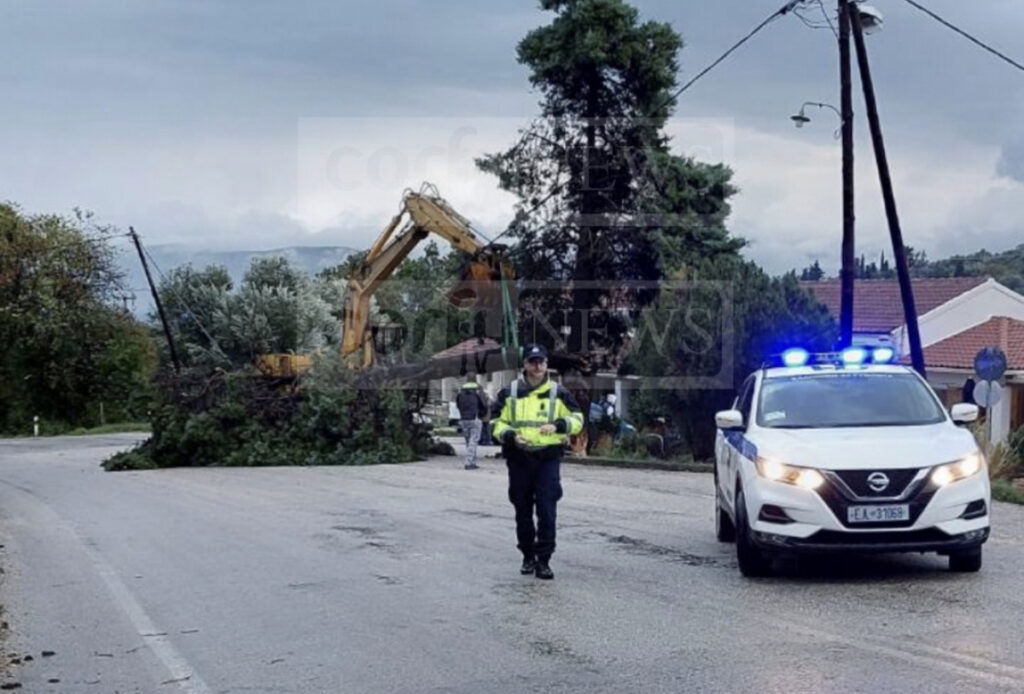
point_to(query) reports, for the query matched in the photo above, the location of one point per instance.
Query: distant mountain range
(312, 259)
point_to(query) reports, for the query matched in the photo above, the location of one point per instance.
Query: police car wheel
(725, 531)
(752, 561)
(967, 561)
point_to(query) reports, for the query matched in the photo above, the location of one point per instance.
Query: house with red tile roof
(956, 318)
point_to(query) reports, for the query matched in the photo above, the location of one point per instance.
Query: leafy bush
(134, 459)
(1003, 462)
(72, 355)
(244, 419)
(629, 445)
(1016, 445)
(1005, 490)
(115, 428)
(718, 321)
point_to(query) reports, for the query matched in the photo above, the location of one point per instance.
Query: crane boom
(421, 214)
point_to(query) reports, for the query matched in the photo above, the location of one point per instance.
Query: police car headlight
(961, 469)
(773, 470)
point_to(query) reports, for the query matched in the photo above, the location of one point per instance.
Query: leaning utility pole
(899, 252)
(846, 272)
(156, 299)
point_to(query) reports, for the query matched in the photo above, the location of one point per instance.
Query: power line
(809, 22)
(533, 208)
(782, 11)
(192, 313)
(967, 36)
(824, 13)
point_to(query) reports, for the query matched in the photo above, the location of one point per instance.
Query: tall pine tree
(602, 198)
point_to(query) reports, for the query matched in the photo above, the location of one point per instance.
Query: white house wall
(971, 308)
(941, 379)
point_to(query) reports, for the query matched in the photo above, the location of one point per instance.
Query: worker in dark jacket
(472, 404)
(533, 418)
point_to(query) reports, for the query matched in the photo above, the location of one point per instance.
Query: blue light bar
(883, 355)
(853, 356)
(796, 356)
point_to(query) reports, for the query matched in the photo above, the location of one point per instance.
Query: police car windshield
(846, 399)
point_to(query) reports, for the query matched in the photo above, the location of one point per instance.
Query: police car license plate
(878, 514)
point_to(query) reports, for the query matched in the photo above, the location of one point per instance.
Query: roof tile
(877, 305)
(958, 351)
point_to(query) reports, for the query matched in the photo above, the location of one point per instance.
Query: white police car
(847, 452)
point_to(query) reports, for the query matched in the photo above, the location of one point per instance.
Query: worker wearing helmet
(472, 404)
(533, 418)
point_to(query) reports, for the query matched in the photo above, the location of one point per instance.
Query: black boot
(544, 571)
(529, 566)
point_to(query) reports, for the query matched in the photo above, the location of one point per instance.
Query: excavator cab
(480, 279)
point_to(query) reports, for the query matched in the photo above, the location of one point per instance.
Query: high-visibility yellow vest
(526, 413)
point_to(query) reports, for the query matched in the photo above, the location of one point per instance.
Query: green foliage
(415, 299)
(242, 419)
(1004, 460)
(812, 273)
(629, 446)
(601, 196)
(114, 428)
(134, 459)
(68, 345)
(1006, 490)
(1006, 267)
(718, 320)
(1016, 442)
(1007, 459)
(277, 309)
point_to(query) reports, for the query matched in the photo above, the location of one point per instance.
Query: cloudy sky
(259, 124)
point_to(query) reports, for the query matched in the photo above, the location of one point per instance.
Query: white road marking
(156, 640)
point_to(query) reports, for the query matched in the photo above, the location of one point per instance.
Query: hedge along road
(404, 578)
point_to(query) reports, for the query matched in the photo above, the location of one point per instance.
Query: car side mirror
(729, 420)
(964, 413)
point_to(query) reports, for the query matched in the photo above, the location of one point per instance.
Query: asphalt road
(405, 579)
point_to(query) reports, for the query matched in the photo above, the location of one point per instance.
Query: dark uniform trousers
(533, 483)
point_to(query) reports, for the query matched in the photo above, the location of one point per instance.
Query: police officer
(533, 417)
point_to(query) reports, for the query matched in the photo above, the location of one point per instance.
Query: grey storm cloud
(1011, 161)
(128, 107)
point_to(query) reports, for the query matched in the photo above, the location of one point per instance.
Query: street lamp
(801, 118)
(871, 20)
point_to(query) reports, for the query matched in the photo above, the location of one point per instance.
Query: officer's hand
(547, 429)
(521, 441)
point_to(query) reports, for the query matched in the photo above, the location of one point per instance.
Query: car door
(732, 442)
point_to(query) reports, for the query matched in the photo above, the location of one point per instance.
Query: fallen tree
(240, 418)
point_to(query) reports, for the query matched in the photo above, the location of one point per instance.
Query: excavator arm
(421, 214)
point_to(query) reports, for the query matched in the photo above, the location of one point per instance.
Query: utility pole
(899, 252)
(156, 299)
(846, 272)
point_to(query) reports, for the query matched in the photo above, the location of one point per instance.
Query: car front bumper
(873, 542)
(941, 519)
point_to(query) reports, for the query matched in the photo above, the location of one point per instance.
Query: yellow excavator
(485, 282)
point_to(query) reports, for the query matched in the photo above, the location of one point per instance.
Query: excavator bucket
(479, 286)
